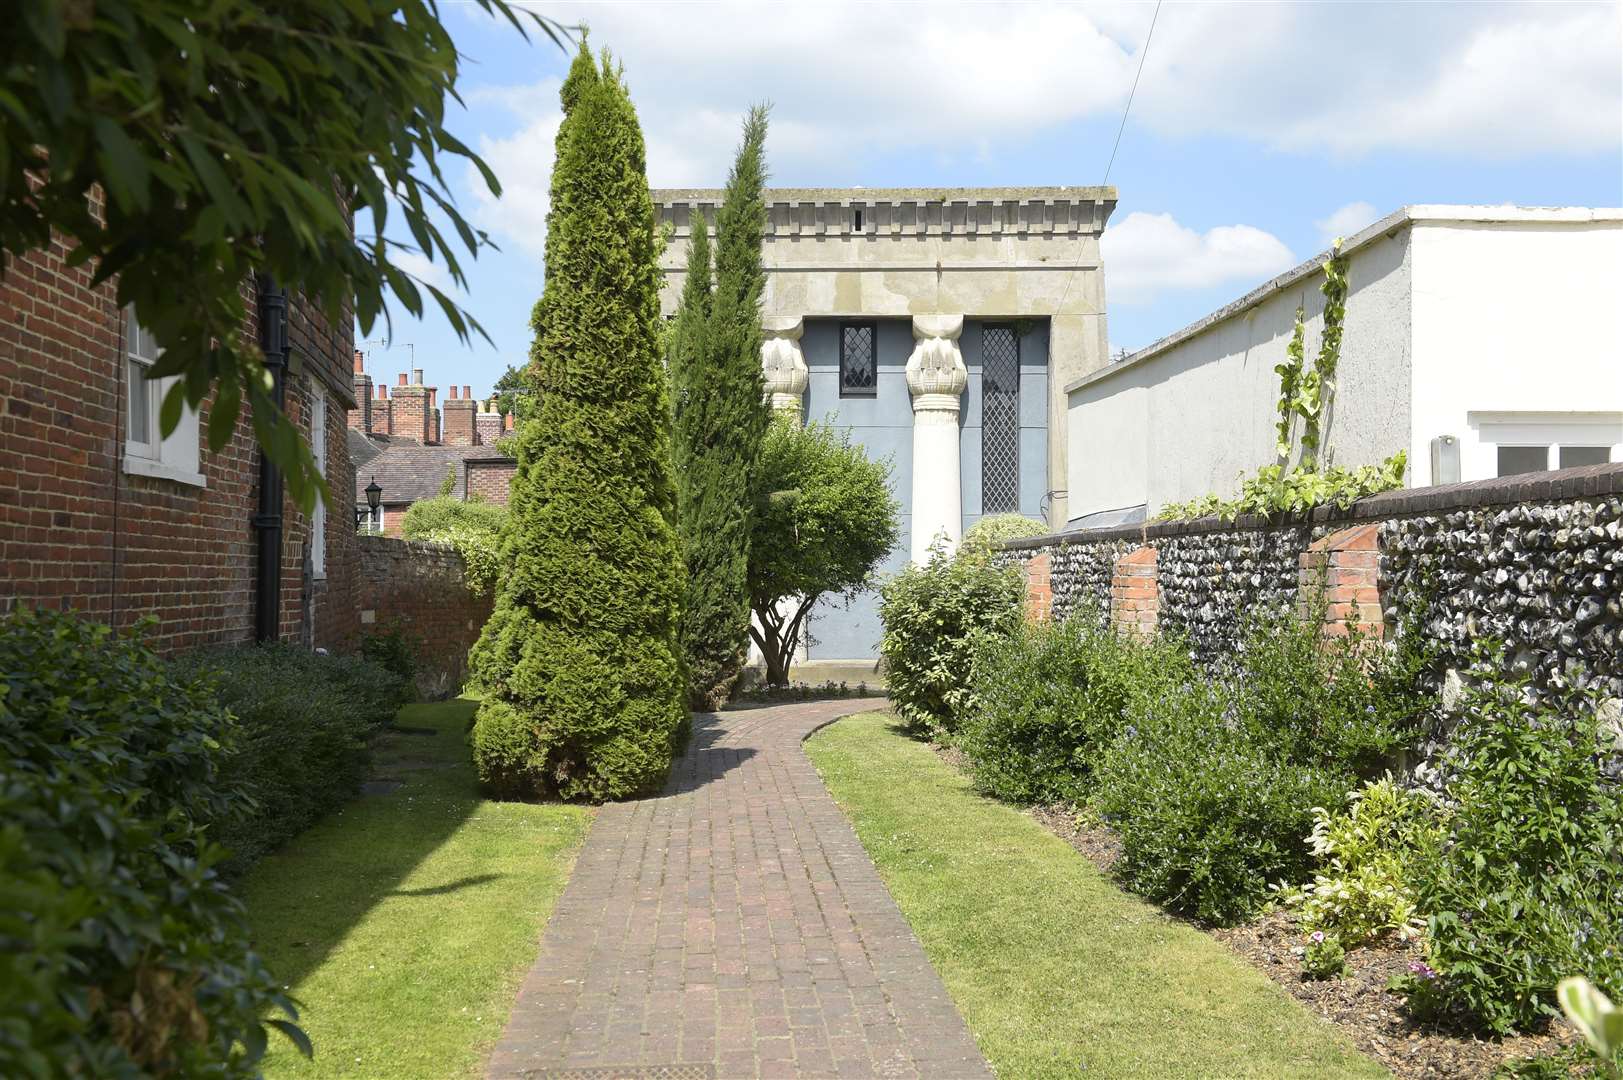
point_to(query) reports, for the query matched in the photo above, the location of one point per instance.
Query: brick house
(99, 514)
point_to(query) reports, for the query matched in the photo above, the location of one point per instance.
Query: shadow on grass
(450, 886)
(306, 897)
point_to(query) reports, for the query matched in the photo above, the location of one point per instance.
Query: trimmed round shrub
(121, 951)
(443, 513)
(1049, 702)
(936, 617)
(989, 532)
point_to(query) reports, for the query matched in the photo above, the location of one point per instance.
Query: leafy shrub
(989, 532)
(1324, 957)
(395, 651)
(936, 616)
(1274, 489)
(303, 723)
(1208, 814)
(474, 528)
(1360, 892)
(1526, 886)
(1049, 701)
(121, 951)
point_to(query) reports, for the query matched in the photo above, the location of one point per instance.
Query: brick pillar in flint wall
(1346, 565)
(1039, 588)
(460, 421)
(1135, 594)
(360, 417)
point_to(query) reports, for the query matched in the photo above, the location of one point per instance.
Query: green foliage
(824, 518)
(1305, 394)
(237, 140)
(395, 651)
(989, 532)
(1049, 701)
(937, 617)
(474, 528)
(1593, 1014)
(303, 721)
(1208, 812)
(515, 393)
(1525, 887)
(1274, 489)
(720, 422)
(1360, 893)
(447, 485)
(1324, 957)
(584, 688)
(122, 954)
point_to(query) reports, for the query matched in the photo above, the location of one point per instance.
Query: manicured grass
(404, 923)
(1058, 972)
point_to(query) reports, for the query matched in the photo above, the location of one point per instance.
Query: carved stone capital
(936, 374)
(783, 365)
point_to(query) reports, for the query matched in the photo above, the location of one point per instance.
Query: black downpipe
(268, 521)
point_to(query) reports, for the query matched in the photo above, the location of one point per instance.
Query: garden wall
(419, 589)
(1533, 561)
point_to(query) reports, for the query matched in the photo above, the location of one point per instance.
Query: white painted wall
(1192, 418)
(1518, 327)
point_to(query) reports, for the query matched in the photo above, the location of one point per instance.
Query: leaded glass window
(859, 362)
(1000, 420)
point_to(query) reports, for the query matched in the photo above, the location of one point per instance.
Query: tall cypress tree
(720, 422)
(580, 663)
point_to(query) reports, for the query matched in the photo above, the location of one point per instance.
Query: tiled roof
(409, 472)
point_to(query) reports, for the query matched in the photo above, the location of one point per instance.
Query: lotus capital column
(783, 365)
(936, 378)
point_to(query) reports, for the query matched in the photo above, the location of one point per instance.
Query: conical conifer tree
(720, 422)
(579, 663)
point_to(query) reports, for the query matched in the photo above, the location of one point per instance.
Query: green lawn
(404, 923)
(1058, 971)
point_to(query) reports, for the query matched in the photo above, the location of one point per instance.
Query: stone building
(940, 326)
(1482, 340)
(101, 514)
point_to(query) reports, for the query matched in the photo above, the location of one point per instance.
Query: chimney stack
(461, 425)
(488, 423)
(360, 417)
(381, 419)
(413, 410)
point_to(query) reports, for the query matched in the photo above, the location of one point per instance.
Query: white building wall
(1192, 418)
(1518, 336)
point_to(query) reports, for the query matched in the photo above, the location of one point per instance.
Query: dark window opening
(1515, 460)
(1574, 456)
(859, 219)
(859, 361)
(1000, 420)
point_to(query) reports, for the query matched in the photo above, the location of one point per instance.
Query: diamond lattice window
(1000, 420)
(858, 361)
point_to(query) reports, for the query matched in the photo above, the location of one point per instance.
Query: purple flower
(1424, 970)
(1317, 937)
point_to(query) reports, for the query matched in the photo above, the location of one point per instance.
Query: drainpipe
(268, 521)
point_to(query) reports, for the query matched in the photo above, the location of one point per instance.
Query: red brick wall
(490, 480)
(1039, 588)
(1135, 594)
(418, 588)
(460, 429)
(381, 420)
(411, 413)
(1346, 565)
(76, 531)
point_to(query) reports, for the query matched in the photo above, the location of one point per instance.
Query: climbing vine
(1305, 393)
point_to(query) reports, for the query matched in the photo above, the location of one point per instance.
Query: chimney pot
(467, 391)
(402, 378)
(360, 362)
(383, 392)
(453, 391)
(417, 376)
(507, 422)
(433, 396)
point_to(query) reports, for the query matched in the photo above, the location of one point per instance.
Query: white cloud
(1146, 254)
(419, 267)
(1346, 220)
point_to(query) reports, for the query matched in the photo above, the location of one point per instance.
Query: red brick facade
(1039, 588)
(1346, 565)
(490, 479)
(418, 590)
(1135, 594)
(79, 530)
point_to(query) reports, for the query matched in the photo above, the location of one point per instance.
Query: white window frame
(318, 449)
(174, 458)
(1550, 430)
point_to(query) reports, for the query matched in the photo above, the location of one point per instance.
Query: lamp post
(374, 498)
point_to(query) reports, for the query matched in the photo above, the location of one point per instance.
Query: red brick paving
(735, 927)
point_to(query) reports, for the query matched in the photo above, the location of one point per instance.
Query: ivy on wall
(1305, 395)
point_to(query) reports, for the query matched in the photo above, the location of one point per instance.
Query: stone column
(936, 378)
(783, 365)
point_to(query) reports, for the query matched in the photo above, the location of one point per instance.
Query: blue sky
(1258, 131)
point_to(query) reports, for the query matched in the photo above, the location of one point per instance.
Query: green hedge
(121, 952)
(303, 721)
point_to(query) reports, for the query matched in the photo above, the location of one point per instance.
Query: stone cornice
(919, 212)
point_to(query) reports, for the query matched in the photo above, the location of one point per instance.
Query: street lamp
(374, 498)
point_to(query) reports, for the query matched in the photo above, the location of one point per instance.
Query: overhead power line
(1142, 53)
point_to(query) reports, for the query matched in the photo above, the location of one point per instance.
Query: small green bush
(936, 616)
(303, 722)
(1525, 888)
(1049, 702)
(474, 528)
(988, 534)
(1207, 813)
(122, 954)
(395, 651)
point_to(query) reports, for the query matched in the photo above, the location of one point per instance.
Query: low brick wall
(419, 589)
(1535, 562)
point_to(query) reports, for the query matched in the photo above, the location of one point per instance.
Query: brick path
(732, 928)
